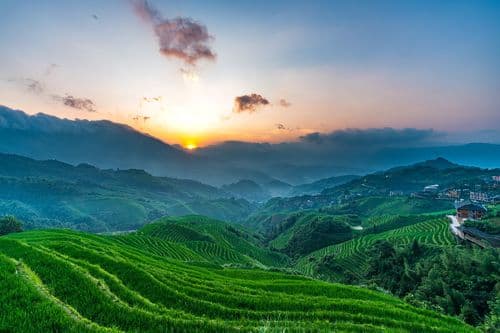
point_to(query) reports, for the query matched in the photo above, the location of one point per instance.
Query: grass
(60, 280)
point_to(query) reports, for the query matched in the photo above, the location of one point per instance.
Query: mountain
(78, 282)
(439, 163)
(400, 180)
(248, 190)
(55, 194)
(308, 159)
(320, 185)
(101, 143)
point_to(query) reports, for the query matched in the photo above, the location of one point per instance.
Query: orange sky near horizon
(335, 66)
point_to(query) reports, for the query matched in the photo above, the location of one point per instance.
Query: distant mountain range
(273, 166)
(54, 194)
(402, 180)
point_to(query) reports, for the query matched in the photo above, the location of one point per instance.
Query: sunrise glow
(191, 146)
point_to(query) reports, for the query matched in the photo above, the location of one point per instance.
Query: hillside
(216, 241)
(86, 283)
(322, 184)
(401, 180)
(248, 190)
(415, 177)
(55, 194)
(351, 255)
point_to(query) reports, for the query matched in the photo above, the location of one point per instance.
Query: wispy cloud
(181, 37)
(284, 103)
(50, 69)
(249, 103)
(31, 85)
(76, 102)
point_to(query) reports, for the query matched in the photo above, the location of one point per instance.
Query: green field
(61, 280)
(351, 254)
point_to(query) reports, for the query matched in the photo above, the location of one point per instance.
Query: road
(454, 226)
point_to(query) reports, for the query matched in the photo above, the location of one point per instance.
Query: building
(496, 178)
(469, 210)
(454, 193)
(479, 196)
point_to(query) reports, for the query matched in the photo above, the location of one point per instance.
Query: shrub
(9, 224)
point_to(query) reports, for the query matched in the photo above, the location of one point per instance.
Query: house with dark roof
(470, 210)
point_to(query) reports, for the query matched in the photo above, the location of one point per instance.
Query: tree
(9, 224)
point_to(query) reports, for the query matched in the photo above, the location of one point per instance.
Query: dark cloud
(284, 103)
(322, 155)
(76, 103)
(180, 37)
(95, 17)
(280, 126)
(371, 136)
(249, 103)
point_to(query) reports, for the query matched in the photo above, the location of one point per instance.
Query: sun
(191, 146)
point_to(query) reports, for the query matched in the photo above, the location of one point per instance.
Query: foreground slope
(74, 281)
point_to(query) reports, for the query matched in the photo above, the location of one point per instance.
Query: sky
(198, 72)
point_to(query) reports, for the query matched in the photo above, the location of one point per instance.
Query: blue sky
(362, 64)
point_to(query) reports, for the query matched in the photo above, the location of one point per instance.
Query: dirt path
(454, 226)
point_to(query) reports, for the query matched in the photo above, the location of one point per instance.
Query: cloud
(321, 155)
(284, 103)
(181, 37)
(152, 99)
(50, 69)
(371, 137)
(249, 103)
(31, 85)
(34, 86)
(281, 127)
(76, 103)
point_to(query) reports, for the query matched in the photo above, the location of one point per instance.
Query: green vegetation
(73, 281)
(458, 281)
(490, 224)
(9, 224)
(302, 233)
(213, 240)
(54, 194)
(200, 274)
(404, 180)
(382, 205)
(352, 256)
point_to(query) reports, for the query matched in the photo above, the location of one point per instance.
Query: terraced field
(213, 240)
(351, 254)
(77, 282)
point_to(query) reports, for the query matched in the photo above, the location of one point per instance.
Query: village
(477, 212)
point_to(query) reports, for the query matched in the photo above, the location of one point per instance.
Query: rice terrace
(249, 166)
